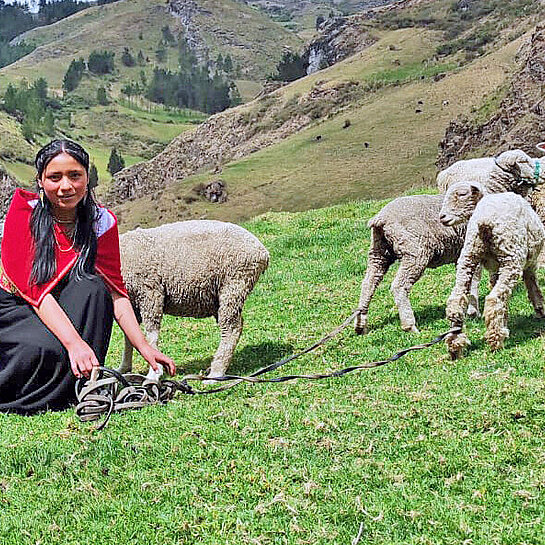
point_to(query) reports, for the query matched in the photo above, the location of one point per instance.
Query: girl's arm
(125, 317)
(82, 357)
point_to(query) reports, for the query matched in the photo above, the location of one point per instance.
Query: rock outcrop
(231, 135)
(339, 38)
(519, 119)
(185, 11)
(7, 187)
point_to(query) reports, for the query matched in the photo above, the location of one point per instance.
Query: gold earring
(42, 196)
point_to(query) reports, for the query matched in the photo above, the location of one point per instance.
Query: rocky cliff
(518, 118)
(185, 11)
(339, 38)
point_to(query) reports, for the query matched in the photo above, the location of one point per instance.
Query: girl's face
(64, 182)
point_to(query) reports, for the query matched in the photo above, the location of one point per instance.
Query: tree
(126, 57)
(116, 162)
(291, 67)
(102, 97)
(161, 54)
(140, 58)
(73, 75)
(93, 176)
(49, 123)
(10, 99)
(227, 64)
(101, 62)
(40, 88)
(168, 37)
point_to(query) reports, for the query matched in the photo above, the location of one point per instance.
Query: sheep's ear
(476, 190)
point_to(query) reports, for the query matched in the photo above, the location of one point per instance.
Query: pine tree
(140, 59)
(40, 88)
(116, 162)
(126, 57)
(101, 62)
(102, 97)
(10, 99)
(227, 64)
(49, 123)
(93, 176)
(73, 75)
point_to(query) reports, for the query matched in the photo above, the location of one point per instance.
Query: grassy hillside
(139, 132)
(255, 45)
(402, 117)
(423, 451)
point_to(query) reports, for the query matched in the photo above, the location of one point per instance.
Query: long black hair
(42, 222)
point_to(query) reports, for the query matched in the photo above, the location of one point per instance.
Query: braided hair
(42, 222)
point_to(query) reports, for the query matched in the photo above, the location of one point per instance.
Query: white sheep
(512, 170)
(191, 268)
(408, 230)
(506, 236)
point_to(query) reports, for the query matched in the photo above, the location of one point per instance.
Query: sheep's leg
(126, 363)
(230, 334)
(493, 274)
(378, 263)
(534, 292)
(151, 305)
(495, 306)
(473, 302)
(152, 336)
(408, 274)
(231, 302)
(458, 302)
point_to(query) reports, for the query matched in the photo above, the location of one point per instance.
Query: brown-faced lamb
(191, 268)
(408, 230)
(506, 236)
(512, 170)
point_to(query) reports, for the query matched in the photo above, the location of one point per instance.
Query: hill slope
(143, 129)
(401, 122)
(212, 26)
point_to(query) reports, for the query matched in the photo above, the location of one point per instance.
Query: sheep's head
(524, 169)
(460, 201)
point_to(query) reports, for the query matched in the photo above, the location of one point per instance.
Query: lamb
(506, 236)
(408, 229)
(512, 170)
(192, 268)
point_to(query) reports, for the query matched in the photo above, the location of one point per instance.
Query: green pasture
(422, 451)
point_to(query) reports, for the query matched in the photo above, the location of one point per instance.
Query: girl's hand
(155, 358)
(82, 359)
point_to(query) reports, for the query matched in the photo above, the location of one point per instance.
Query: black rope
(109, 391)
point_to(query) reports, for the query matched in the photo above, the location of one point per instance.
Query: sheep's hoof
(361, 330)
(410, 329)
(496, 339)
(455, 354)
(456, 343)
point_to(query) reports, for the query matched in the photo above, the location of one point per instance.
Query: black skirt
(35, 373)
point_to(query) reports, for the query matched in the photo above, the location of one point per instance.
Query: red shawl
(18, 251)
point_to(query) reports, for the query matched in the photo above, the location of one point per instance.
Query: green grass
(423, 451)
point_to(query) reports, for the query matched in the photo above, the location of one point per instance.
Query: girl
(60, 286)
